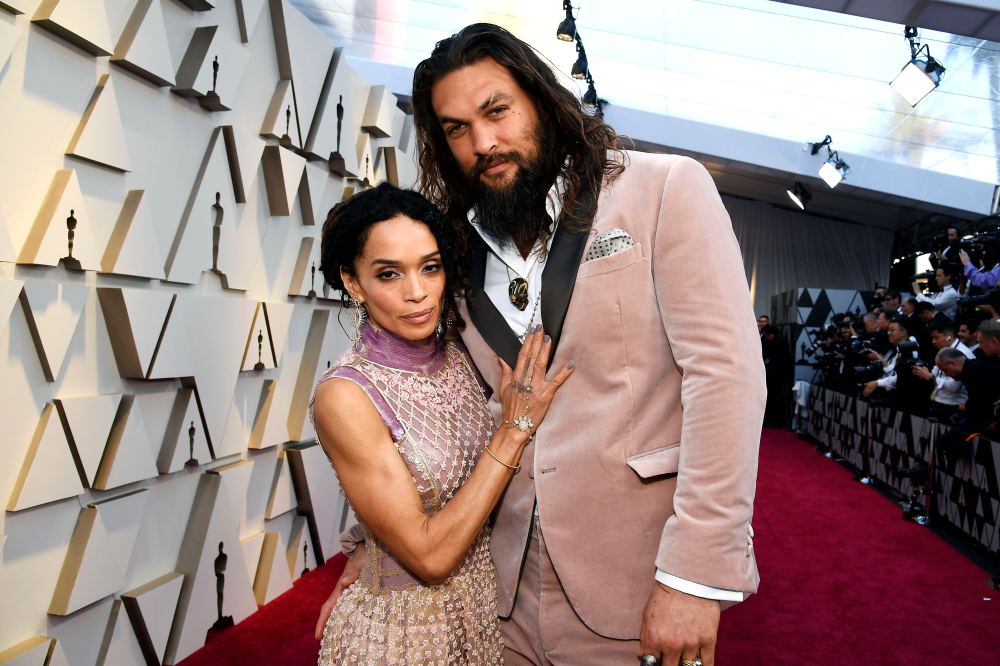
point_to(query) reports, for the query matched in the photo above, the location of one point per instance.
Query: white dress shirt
(945, 301)
(888, 379)
(503, 263)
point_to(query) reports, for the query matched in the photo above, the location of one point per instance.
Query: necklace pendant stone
(518, 292)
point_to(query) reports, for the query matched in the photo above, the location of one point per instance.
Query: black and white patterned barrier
(878, 441)
(969, 496)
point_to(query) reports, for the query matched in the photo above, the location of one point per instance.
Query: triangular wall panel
(184, 442)
(133, 248)
(280, 117)
(282, 498)
(282, 173)
(99, 552)
(31, 652)
(143, 47)
(258, 429)
(100, 136)
(258, 354)
(79, 23)
(279, 320)
(320, 499)
(212, 204)
(88, 422)
(273, 577)
(252, 546)
(135, 320)
(121, 646)
(48, 472)
(151, 609)
(210, 542)
(128, 456)
(48, 240)
(53, 312)
(10, 292)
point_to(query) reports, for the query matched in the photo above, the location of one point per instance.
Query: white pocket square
(608, 243)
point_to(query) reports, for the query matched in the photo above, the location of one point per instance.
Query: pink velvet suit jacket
(648, 456)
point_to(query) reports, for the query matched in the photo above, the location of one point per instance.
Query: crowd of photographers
(934, 354)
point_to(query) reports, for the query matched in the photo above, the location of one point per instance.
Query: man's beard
(513, 214)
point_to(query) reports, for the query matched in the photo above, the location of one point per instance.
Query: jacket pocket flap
(654, 463)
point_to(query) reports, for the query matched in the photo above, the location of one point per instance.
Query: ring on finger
(691, 662)
(649, 660)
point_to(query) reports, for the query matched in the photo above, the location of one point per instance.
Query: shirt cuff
(697, 589)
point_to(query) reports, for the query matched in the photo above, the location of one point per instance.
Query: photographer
(944, 301)
(901, 357)
(948, 393)
(967, 333)
(949, 253)
(893, 301)
(980, 278)
(982, 381)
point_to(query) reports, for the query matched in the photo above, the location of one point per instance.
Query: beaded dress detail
(432, 403)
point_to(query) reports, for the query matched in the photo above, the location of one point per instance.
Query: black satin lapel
(561, 267)
(484, 314)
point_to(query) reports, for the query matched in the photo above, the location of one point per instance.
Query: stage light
(800, 194)
(580, 67)
(834, 170)
(590, 97)
(567, 27)
(920, 75)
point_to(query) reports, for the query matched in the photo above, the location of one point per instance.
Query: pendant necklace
(517, 290)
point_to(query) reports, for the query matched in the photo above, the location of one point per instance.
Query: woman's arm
(378, 484)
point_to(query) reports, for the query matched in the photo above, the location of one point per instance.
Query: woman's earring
(360, 314)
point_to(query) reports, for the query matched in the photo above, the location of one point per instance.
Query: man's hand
(678, 626)
(351, 573)
(964, 256)
(869, 389)
(921, 372)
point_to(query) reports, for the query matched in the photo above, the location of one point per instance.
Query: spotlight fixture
(919, 76)
(834, 169)
(800, 194)
(580, 67)
(567, 27)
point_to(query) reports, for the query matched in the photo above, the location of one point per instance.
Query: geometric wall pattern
(801, 313)
(167, 170)
(879, 440)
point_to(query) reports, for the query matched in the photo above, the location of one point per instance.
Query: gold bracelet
(493, 455)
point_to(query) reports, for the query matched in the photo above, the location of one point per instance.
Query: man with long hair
(629, 526)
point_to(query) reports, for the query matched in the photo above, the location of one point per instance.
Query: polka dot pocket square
(608, 243)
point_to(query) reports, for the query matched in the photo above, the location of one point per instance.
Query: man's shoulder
(647, 167)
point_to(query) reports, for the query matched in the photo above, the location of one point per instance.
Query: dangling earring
(360, 314)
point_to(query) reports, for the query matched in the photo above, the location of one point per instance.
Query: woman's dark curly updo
(349, 223)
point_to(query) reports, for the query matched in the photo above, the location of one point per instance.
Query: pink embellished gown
(433, 405)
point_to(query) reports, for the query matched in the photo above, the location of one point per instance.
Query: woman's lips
(419, 317)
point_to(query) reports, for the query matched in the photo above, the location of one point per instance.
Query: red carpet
(844, 581)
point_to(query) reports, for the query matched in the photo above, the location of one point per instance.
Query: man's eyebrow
(495, 96)
(393, 262)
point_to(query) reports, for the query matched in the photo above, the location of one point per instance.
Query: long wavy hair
(583, 149)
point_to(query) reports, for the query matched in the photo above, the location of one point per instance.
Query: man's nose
(483, 140)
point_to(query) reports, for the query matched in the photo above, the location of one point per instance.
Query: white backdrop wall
(785, 250)
(152, 408)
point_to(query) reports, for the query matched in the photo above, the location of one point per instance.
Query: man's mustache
(485, 162)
